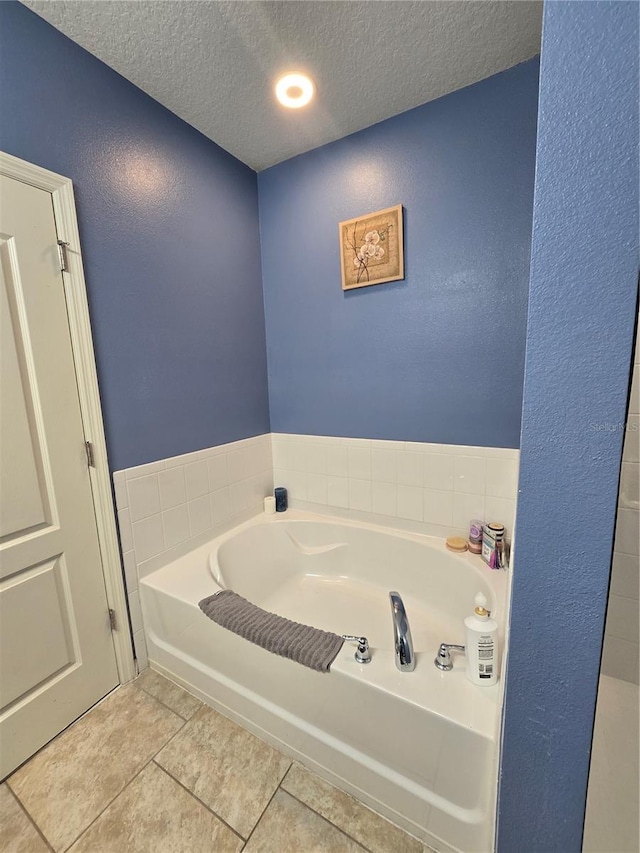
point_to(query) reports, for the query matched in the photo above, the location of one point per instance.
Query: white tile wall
(621, 654)
(173, 503)
(433, 488)
(140, 647)
(172, 486)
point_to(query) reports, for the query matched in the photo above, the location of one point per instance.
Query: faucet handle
(443, 658)
(363, 653)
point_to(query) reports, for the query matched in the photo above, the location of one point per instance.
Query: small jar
(475, 536)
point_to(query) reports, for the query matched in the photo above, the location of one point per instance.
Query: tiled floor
(153, 769)
(613, 802)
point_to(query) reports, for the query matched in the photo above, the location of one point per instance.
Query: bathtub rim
(498, 580)
(482, 704)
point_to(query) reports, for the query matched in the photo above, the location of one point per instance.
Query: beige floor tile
(229, 769)
(612, 818)
(17, 833)
(155, 815)
(288, 826)
(66, 785)
(377, 834)
(165, 691)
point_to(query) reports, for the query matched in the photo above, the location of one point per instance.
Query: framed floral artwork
(371, 248)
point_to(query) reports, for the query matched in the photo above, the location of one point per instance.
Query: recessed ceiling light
(294, 90)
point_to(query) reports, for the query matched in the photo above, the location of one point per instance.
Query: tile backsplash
(168, 507)
(431, 488)
(172, 505)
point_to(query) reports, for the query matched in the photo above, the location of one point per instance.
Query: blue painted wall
(169, 229)
(439, 356)
(583, 290)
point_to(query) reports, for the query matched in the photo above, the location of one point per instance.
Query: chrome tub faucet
(405, 656)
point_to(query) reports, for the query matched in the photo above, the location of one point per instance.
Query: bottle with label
(481, 644)
(493, 545)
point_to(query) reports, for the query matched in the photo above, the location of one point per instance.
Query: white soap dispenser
(481, 644)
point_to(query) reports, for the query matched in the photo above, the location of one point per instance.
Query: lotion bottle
(481, 644)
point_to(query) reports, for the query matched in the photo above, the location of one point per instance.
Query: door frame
(64, 209)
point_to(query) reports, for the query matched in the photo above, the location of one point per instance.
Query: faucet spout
(403, 644)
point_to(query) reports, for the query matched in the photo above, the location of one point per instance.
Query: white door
(56, 650)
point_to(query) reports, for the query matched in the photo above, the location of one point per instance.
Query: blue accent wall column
(170, 239)
(582, 298)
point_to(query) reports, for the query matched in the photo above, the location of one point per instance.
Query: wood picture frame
(372, 248)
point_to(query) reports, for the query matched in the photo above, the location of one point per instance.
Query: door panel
(35, 603)
(56, 650)
(23, 506)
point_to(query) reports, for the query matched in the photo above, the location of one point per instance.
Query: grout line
(279, 787)
(356, 800)
(23, 808)
(174, 735)
(65, 729)
(124, 788)
(195, 796)
(257, 823)
(46, 746)
(126, 785)
(110, 803)
(287, 773)
(198, 800)
(164, 704)
(335, 825)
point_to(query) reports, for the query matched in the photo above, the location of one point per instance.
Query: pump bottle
(481, 644)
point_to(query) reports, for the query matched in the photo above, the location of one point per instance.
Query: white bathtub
(419, 747)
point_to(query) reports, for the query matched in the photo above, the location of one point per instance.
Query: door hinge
(112, 619)
(91, 460)
(62, 251)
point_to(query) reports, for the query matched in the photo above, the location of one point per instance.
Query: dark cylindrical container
(282, 500)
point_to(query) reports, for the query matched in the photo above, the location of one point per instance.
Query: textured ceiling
(214, 63)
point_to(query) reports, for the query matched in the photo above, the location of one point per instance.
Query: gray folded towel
(309, 646)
